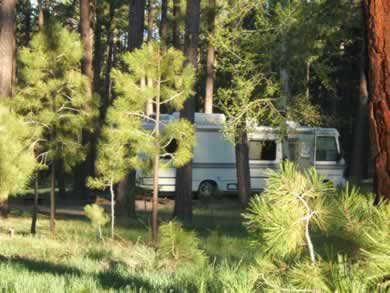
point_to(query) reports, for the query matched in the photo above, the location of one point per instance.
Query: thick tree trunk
(125, 202)
(87, 39)
(99, 48)
(183, 200)
(7, 58)
(378, 37)
(208, 104)
(52, 198)
(86, 168)
(125, 194)
(242, 168)
(7, 46)
(136, 24)
(175, 24)
(164, 24)
(35, 204)
(360, 151)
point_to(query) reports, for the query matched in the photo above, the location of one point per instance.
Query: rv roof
(216, 120)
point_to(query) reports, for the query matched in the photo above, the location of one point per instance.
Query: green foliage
(303, 111)
(96, 215)
(179, 247)
(17, 160)
(52, 93)
(125, 142)
(277, 217)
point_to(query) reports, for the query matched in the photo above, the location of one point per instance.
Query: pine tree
(52, 94)
(17, 161)
(125, 143)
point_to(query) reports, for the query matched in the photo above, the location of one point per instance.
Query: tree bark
(61, 178)
(87, 40)
(35, 204)
(164, 24)
(7, 46)
(360, 151)
(175, 24)
(156, 172)
(136, 24)
(378, 37)
(52, 198)
(208, 105)
(242, 167)
(136, 34)
(98, 48)
(183, 200)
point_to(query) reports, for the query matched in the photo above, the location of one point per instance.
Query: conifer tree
(127, 142)
(52, 95)
(17, 160)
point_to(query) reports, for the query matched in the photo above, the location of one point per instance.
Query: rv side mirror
(339, 156)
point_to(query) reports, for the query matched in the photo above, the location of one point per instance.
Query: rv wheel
(208, 189)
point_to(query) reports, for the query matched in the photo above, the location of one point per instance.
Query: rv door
(301, 150)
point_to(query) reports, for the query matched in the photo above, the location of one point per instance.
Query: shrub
(97, 217)
(179, 247)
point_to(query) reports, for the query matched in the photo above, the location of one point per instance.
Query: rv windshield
(326, 149)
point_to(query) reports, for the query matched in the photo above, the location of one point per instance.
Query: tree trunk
(208, 104)
(125, 202)
(112, 208)
(156, 173)
(99, 48)
(149, 105)
(136, 24)
(7, 46)
(86, 168)
(183, 200)
(52, 198)
(109, 64)
(164, 24)
(175, 24)
(360, 151)
(87, 39)
(35, 204)
(242, 167)
(61, 178)
(136, 34)
(40, 16)
(378, 37)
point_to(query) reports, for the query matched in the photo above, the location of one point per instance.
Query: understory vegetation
(300, 234)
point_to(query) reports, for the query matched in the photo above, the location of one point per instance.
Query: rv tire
(208, 189)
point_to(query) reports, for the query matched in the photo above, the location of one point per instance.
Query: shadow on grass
(39, 266)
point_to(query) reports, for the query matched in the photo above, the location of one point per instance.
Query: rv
(214, 162)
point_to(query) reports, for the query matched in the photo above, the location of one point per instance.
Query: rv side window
(262, 150)
(326, 148)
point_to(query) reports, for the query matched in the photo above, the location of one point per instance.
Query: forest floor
(75, 260)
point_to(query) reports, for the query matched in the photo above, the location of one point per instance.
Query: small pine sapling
(126, 141)
(97, 217)
(174, 250)
(51, 94)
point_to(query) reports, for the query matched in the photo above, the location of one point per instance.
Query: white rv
(214, 163)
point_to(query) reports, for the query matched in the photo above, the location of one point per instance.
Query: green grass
(74, 260)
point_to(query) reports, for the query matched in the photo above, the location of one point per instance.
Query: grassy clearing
(76, 261)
